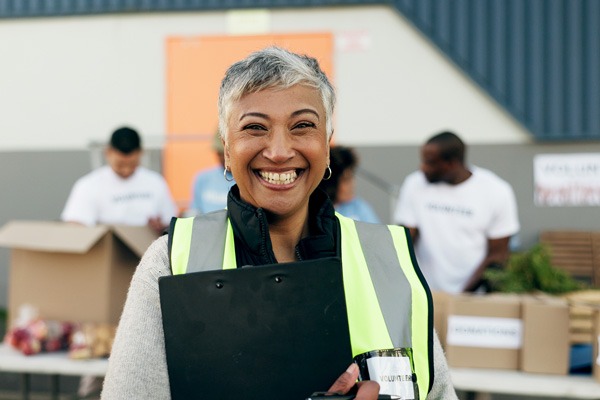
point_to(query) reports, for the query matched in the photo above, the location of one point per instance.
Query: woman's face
(277, 148)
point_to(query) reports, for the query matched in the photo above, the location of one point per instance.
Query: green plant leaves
(531, 271)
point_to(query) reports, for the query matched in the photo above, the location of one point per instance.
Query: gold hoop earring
(328, 177)
(227, 176)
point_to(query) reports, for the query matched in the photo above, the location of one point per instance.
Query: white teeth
(279, 178)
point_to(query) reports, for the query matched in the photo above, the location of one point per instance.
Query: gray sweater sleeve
(137, 367)
(442, 388)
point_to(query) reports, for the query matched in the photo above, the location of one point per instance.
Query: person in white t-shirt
(460, 218)
(121, 192)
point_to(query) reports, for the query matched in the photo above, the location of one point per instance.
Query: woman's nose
(280, 147)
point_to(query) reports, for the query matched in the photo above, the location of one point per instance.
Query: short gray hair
(273, 67)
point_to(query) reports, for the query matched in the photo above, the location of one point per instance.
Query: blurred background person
(341, 185)
(461, 217)
(210, 188)
(123, 191)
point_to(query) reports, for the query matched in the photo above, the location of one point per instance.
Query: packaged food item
(39, 335)
(31, 334)
(91, 340)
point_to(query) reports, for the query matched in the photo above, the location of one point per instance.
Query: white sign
(354, 41)
(567, 179)
(489, 332)
(249, 22)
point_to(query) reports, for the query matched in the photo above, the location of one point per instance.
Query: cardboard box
(546, 344)
(440, 314)
(484, 331)
(71, 272)
(596, 344)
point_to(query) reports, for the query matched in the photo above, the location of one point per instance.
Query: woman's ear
(225, 152)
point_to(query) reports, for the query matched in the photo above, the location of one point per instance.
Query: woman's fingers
(367, 390)
(346, 381)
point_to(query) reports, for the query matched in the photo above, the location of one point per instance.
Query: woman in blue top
(341, 185)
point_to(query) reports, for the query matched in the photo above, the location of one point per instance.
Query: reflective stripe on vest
(389, 305)
(206, 232)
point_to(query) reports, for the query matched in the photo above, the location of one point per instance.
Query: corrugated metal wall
(47, 8)
(540, 59)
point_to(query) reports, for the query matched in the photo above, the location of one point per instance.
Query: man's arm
(414, 234)
(81, 205)
(497, 252)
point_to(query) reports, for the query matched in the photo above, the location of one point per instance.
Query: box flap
(52, 236)
(137, 238)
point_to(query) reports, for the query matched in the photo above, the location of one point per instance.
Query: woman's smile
(279, 178)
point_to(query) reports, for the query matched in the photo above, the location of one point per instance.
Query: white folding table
(53, 364)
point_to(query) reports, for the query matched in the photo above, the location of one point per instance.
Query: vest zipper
(263, 236)
(298, 255)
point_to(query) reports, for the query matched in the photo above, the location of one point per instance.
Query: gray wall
(36, 184)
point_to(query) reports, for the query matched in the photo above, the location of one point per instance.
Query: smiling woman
(275, 118)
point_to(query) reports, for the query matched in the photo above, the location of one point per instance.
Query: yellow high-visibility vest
(388, 302)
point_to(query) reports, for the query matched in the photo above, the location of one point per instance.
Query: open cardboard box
(71, 272)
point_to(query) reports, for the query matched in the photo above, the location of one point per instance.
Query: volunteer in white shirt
(122, 192)
(461, 218)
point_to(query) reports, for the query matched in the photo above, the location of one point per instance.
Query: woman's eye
(254, 127)
(302, 125)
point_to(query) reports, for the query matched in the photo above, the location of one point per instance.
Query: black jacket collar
(251, 230)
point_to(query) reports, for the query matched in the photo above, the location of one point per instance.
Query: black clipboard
(268, 333)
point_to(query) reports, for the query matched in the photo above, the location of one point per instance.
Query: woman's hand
(346, 383)
(156, 225)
